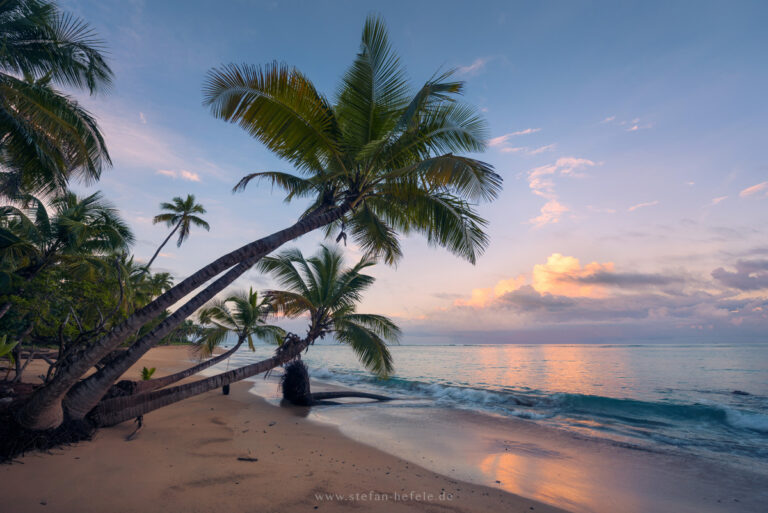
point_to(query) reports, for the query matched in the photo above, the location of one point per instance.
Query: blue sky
(631, 137)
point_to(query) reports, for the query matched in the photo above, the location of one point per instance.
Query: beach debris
(272, 423)
(247, 458)
(140, 421)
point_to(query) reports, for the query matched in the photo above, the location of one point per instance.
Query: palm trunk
(120, 409)
(4, 308)
(154, 384)
(44, 408)
(149, 264)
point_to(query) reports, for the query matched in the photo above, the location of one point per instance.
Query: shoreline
(186, 459)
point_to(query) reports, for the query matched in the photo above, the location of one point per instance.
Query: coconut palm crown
(181, 215)
(384, 152)
(243, 314)
(327, 292)
(46, 137)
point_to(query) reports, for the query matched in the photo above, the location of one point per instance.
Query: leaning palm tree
(242, 315)
(181, 215)
(46, 137)
(319, 286)
(378, 162)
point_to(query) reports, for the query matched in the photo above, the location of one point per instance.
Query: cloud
(541, 149)
(188, 175)
(643, 205)
(182, 173)
(134, 144)
(717, 200)
(550, 213)
(587, 298)
(629, 125)
(559, 275)
(541, 183)
(749, 275)
(498, 141)
(628, 280)
(527, 150)
(143, 118)
(476, 67)
(755, 189)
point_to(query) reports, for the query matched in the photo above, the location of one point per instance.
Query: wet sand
(216, 453)
(578, 473)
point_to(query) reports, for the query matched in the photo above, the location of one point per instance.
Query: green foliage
(77, 233)
(322, 288)
(381, 148)
(244, 315)
(46, 137)
(6, 349)
(182, 212)
(146, 374)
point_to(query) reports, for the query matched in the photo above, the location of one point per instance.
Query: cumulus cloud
(541, 183)
(749, 275)
(564, 292)
(755, 189)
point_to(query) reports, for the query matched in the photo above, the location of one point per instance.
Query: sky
(631, 138)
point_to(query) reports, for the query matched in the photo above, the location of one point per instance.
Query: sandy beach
(187, 459)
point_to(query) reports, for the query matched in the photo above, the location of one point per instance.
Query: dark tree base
(296, 388)
(16, 440)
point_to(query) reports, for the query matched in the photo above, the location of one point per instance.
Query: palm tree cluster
(378, 161)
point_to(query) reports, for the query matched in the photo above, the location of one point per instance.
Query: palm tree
(179, 214)
(379, 162)
(243, 315)
(46, 137)
(320, 287)
(77, 231)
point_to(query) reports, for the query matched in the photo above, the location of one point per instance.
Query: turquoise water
(706, 399)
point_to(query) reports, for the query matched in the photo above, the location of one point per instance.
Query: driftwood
(296, 388)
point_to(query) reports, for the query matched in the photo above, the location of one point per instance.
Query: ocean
(705, 398)
(492, 413)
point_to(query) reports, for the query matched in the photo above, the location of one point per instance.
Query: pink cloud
(755, 189)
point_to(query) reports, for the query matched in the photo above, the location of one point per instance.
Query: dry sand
(186, 460)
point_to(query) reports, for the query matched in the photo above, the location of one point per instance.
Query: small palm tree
(46, 137)
(321, 288)
(243, 315)
(181, 215)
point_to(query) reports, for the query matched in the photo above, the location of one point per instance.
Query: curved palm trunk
(162, 245)
(154, 384)
(120, 409)
(44, 408)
